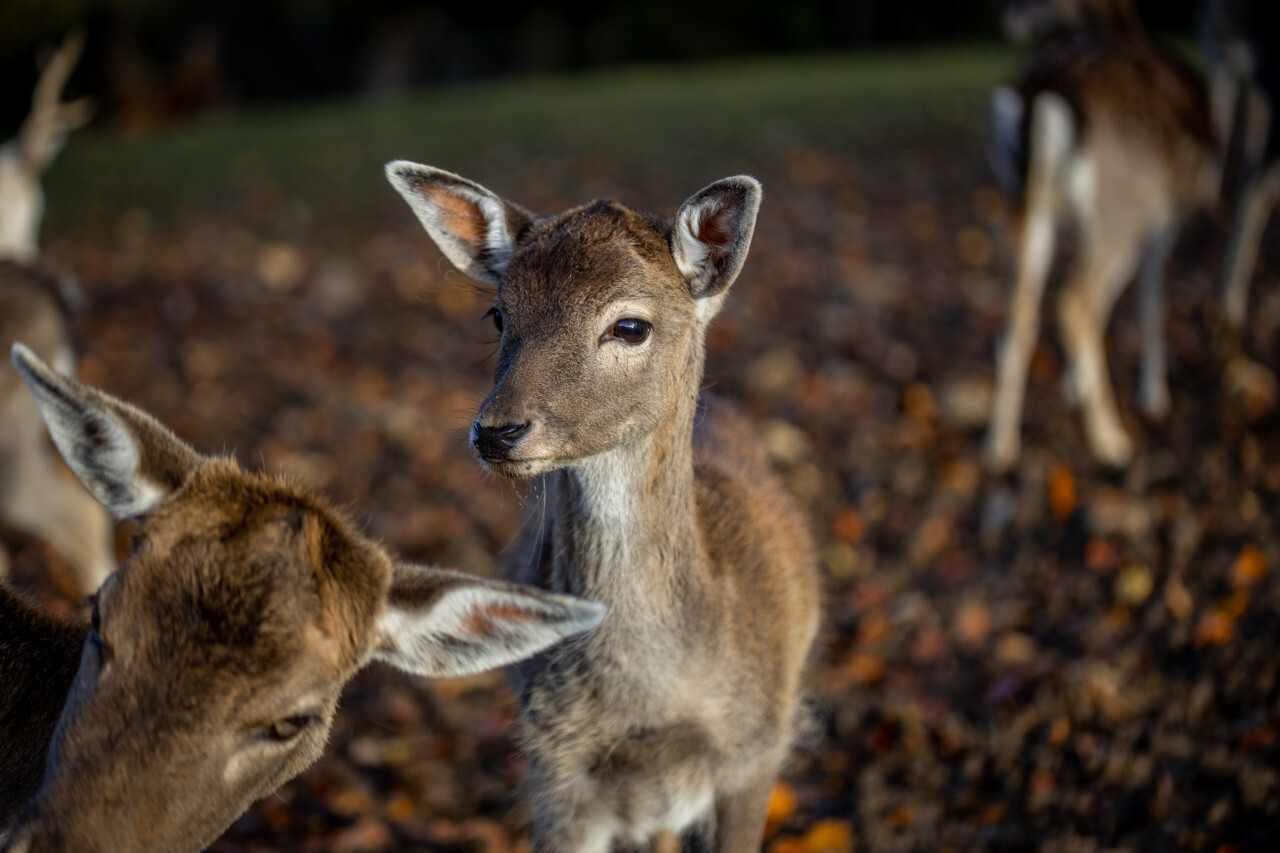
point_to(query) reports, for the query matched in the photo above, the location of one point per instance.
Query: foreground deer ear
(712, 232)
(126, 459)
(475, 228)
(442, 624)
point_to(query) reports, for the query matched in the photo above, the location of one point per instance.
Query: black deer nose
(495, 442)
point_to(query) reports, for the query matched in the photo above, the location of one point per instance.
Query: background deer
(1241, 40)
(676, 715)
(213, 663)
(35, 497)
(1111, 133)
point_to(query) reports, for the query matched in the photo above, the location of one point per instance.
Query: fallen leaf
(1249, 568)
(829, 836)
(1062, 491)
(782, 804)
(1133, 585)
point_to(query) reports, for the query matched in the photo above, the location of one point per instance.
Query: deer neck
(626, 524)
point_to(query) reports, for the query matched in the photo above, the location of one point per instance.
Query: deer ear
(712, 232)
(475, 228)
(126, 459)
(441, 624)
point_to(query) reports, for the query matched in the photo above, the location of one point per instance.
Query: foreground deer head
(217, 651)
(24, 159)
(677, 714)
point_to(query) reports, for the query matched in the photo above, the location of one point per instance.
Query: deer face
(596, 320)
(602, 310)
(218, 650)
(213, 668)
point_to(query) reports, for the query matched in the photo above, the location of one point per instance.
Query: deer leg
(1084, 307)
(1051, 134)
(1153, 388)
(1259, 198)
(741, 815)
(1003, 436)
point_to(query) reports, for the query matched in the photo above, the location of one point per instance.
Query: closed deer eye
(631, 331)
(285, 730)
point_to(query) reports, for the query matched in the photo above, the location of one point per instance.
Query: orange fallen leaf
(1062, 491)
(829, 836)
(350, 802)
(848, 525)
(993, 813)
(1059, 731)
(1216, 628)
(873, 627)
(863, 668)
(1042, 782)
(973, 623)
(917, 402)
(782, 804)
(1101, 555)
(1249, 568)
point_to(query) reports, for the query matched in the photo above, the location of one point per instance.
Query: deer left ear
(474, 227)
(125, 458)
(442, 624)
(712, 232)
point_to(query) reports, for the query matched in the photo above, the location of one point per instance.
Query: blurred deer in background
(212, 666)
(1111, 133)
(676, 715)
(35, 497)
(1240, 38)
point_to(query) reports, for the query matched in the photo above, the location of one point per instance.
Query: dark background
(151, 60)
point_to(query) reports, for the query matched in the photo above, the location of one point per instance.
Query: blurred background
(1066, 658)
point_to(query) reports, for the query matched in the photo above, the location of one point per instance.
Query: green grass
(727, 112)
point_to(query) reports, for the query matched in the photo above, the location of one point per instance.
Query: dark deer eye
(497, 317)
(631, 331)
(289, 728)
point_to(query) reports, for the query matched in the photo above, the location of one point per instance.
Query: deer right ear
(475, 228)
(443, 624)
(126, 459)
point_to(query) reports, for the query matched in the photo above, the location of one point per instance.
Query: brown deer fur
(675, 716)
(217, 652)
(1110, 133)
(39, 655)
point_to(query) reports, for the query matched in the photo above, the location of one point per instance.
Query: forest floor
(1062, 659)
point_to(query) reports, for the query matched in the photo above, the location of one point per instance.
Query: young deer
(1241, 39)
(34, 495)
(677, 714)
(211, 669)
(1109, 132)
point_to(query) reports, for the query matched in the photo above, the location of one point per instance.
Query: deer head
(219, 648)
(602, 310)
